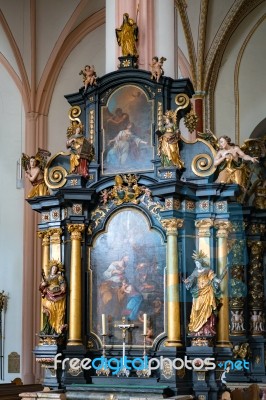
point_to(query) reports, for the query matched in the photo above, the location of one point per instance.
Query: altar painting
(127, 269)
(127, 131)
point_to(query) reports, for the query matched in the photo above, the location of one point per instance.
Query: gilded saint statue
(229, 162)
(53, 289)
(168, 143)
(81, 150)
(127, 36)
(205, 289)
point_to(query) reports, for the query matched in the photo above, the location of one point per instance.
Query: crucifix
(125, 326)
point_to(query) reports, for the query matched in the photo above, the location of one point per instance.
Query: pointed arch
(57, 59)
(24, 86)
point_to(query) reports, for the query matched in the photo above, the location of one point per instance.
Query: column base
(223, 343)
(74, 342)
(173, 343)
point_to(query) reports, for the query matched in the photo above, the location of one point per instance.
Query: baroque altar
(129, 202)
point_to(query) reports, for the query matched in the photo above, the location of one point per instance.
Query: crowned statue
(205, 289)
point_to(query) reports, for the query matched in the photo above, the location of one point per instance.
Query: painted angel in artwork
(34, 171)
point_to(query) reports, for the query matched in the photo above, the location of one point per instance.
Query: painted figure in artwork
(168, 143)
(127, 36)
(34, 172)
(157, 68)
(125, 148)
(111, 289)
(116, 122)
(53, 289)
(229, 161)
(81, 150)
(205, 289)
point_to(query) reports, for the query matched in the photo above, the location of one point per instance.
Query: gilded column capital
(172, 225)
(223, 228)
(76, 230)
(204, 226)
(45, 236)
(56, 235)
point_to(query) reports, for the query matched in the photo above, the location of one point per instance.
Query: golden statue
(229, 162)
(81, 150)
(34, 171)
(53, 289)
(169, 136)
(127, 36)
(205, 289)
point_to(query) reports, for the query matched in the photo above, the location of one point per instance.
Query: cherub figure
(237, 320)
(157, 68)
(89, 76)
(34, 171)
(104, 196)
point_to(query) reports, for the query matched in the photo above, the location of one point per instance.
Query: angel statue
(157, 68)
(169, 136)
(229, 160)
(34, 171)
(205, 289)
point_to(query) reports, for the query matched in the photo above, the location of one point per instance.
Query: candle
(144, 324)
(124, 354)
(103, 325)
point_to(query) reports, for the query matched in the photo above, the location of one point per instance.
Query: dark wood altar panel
(128, 104)
(128, 263)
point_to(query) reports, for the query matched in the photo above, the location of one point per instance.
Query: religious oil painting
(127, 277)
(127, 131)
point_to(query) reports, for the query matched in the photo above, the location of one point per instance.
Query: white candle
(144, 324)
(103, 325)
(124, 354)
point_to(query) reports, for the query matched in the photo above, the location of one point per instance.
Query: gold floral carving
(256, 278)
(190, 120)
(172, 225)
(160, 116)
(223, 228)
(238, 252)
(204, 226)
(92, 125)
(238, 290)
